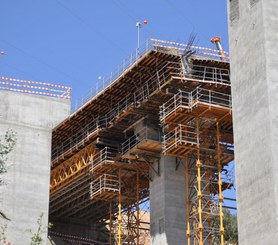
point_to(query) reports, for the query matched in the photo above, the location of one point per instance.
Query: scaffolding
(202, 113)
(184, 109)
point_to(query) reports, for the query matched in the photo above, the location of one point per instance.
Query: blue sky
(73, 42)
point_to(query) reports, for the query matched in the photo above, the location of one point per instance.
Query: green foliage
(230, 226)
(36, 238)
(7, 143)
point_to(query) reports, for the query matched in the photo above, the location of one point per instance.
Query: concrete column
(26, 194)
(253, 37)
(168, 205)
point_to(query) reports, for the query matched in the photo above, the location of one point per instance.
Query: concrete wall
(168, 204)
(26, 194)
(253, 36)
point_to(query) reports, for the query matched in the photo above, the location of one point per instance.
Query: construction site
(146, 157)
(167, 116)
(174, 105)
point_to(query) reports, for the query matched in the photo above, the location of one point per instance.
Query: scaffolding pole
(199, 182)
(129, 222)
(110, 223)
(220, 195)
(137, 208)
(120, 210)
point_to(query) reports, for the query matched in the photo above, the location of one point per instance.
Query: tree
(230, 226)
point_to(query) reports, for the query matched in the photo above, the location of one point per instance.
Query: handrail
(134, 140)
(37, 88)
(104, 182)
(151, 44)
(151, 85)
(190, 99)
(182, 47)
(182, 134)
(102, 156)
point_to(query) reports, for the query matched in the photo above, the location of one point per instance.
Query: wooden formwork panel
(150, 147)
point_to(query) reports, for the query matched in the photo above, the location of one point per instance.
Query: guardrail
(151, 44)
(37, 88)
(102, 157)
(105, 182)
(158, 79)
(181, 135)
(206, 74)
(189, 99)
(143, 134)
(140, 95)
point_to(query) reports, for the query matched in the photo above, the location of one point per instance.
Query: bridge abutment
(26, 193)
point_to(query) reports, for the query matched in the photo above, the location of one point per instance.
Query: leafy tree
(230, 226)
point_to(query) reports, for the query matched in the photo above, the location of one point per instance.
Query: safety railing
(104, 156)
(211, 97)
(146, 133)
(202, 73)
(36, 88)
(77, 138)
(151, 85)
(188, 100)
(181, 135)
(104, 183)
(208, 73)
(151, 44)
(181, 99)
(180, 48)
(114, 75)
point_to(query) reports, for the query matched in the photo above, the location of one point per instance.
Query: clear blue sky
(73, 42)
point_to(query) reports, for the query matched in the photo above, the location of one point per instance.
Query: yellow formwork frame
(137, 208)
(199, 181)
(220, 195)
(208, 204)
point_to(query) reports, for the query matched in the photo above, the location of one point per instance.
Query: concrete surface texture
(26, 193)
(253, 37)
(167, 204)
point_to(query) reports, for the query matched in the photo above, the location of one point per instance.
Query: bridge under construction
(159, 132)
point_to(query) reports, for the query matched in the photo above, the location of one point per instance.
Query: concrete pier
(253, 30)
(168, 205)
(26, 195)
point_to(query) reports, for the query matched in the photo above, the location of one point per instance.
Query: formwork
(174, 99)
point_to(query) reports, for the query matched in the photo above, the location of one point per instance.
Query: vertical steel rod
(220, 195)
